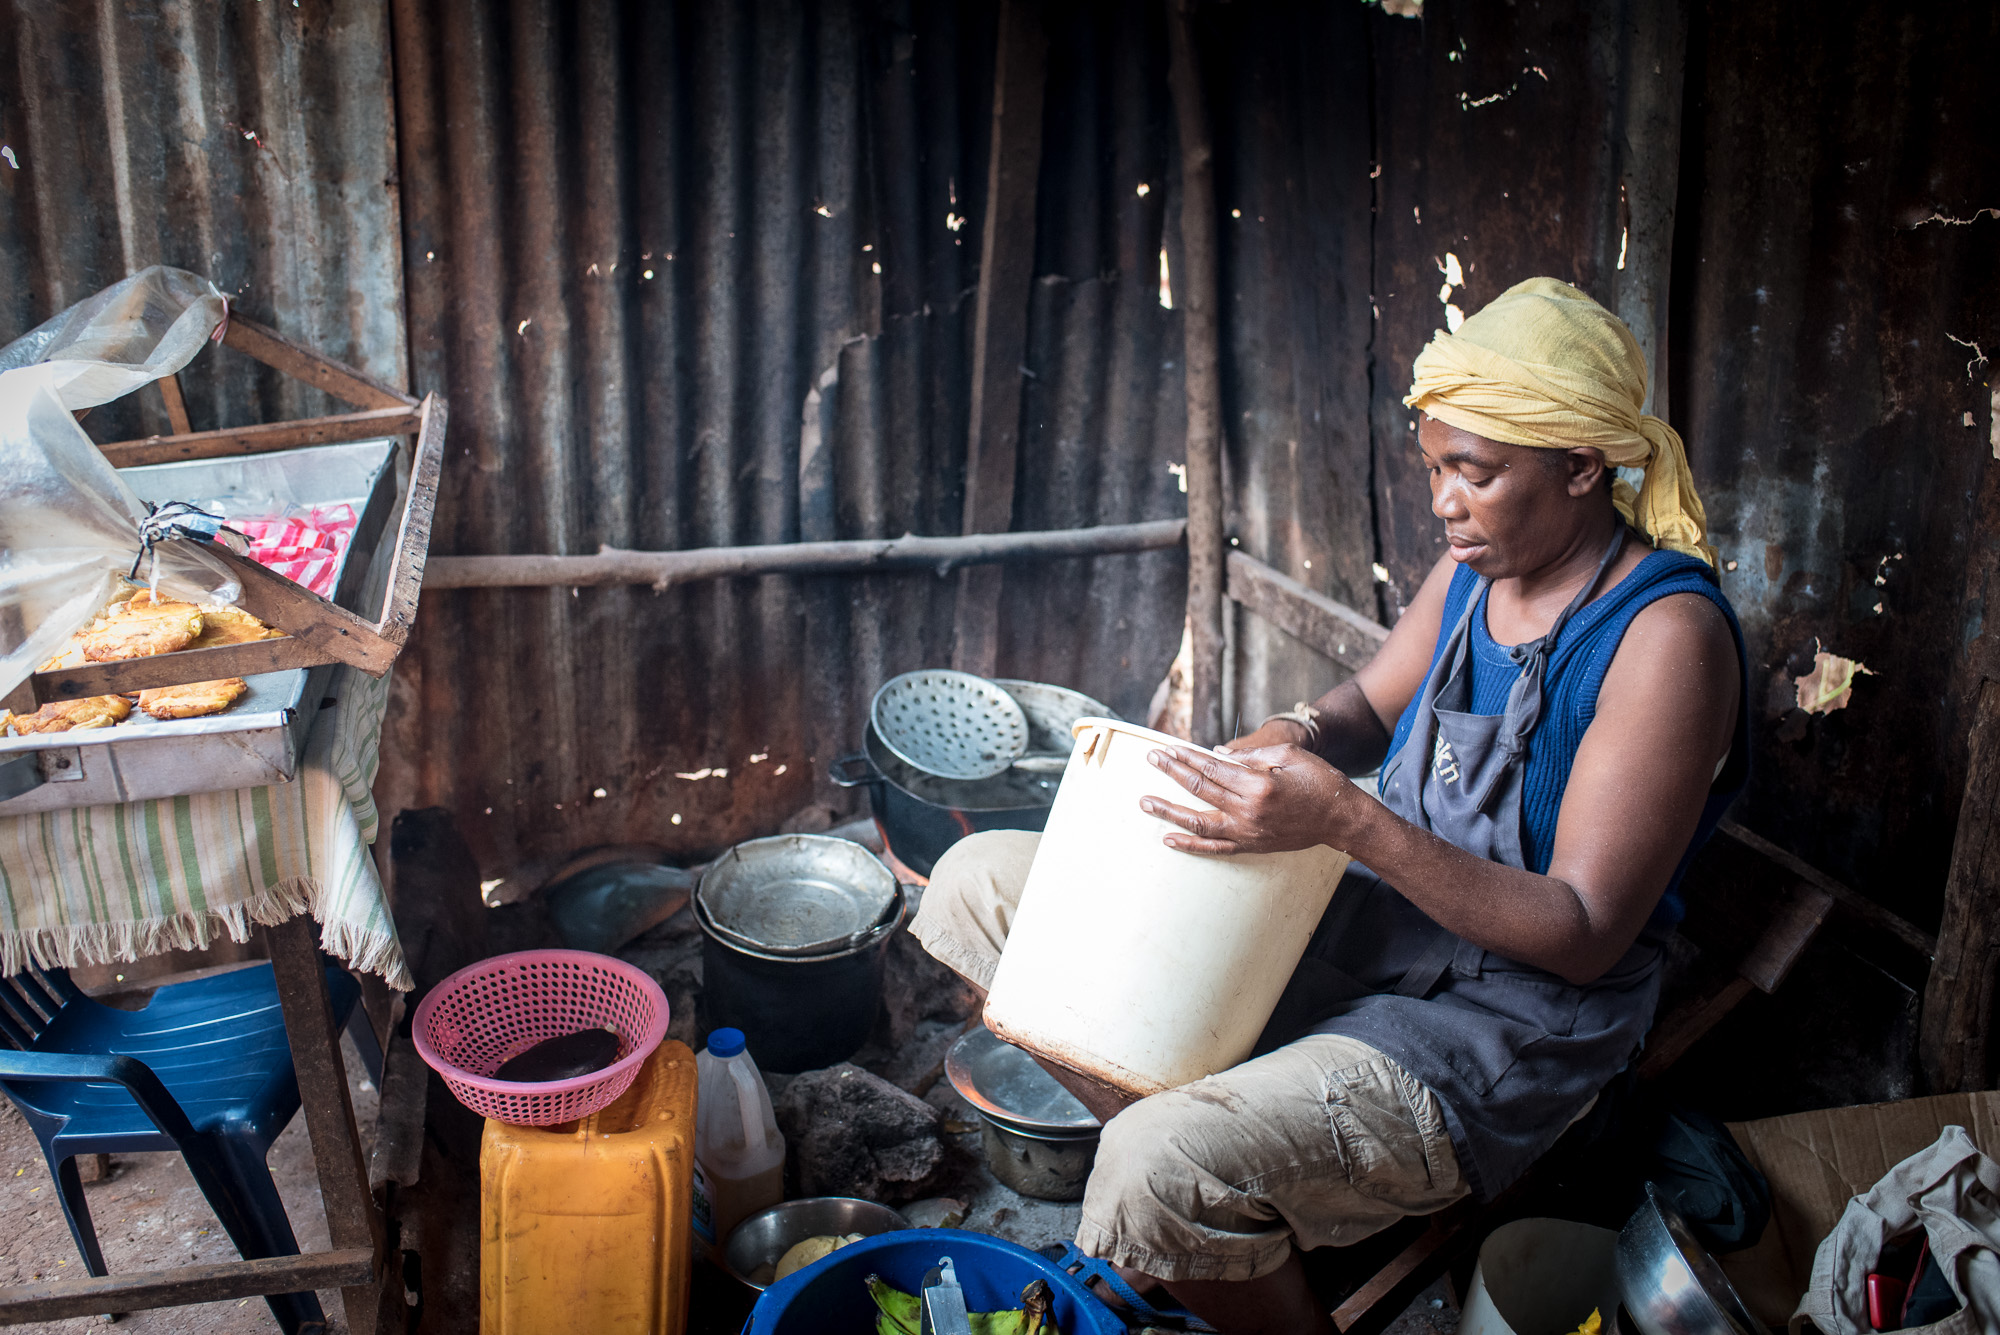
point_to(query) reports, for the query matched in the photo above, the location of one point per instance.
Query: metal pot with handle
(922, 815)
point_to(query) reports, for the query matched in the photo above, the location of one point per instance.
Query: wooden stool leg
(351, 1217)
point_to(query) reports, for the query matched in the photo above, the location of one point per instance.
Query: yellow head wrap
(1544, 365)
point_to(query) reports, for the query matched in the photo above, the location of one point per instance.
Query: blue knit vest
(1575, 675)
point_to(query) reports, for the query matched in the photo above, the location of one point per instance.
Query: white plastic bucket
(1542, 1277)
(1133, 963)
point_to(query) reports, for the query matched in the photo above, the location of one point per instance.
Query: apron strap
(1418, 980)
(1524, 700)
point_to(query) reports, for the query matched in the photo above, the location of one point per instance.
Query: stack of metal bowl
(794, 932)
(1039, 1140)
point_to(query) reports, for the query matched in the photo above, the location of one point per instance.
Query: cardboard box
(1817, 1162)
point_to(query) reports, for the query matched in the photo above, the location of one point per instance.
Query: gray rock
(916, 988)
(855, 1134)
(671, 952)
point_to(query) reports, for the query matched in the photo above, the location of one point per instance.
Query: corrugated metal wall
(253, 143)
(638, 236)
(635, 238)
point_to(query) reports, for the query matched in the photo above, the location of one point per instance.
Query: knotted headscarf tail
(1544, 365)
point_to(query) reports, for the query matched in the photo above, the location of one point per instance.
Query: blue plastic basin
(830, 1297)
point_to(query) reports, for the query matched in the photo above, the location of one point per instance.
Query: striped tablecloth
(91, 885)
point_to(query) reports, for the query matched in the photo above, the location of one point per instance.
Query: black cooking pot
(803, 1012)
(922, 815)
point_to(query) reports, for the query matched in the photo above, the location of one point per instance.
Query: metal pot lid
(1007, 1085)
(950, 723)
(797, 894)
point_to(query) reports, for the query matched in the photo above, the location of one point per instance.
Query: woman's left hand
(1273, 799)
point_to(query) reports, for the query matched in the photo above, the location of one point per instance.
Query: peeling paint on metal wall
(250, 143)
(1823, 402)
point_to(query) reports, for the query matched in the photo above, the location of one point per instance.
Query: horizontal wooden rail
(1850, 900)
(144, 674)
(662, 570)
(1319, 622)
(264, 438)
(52, 1300)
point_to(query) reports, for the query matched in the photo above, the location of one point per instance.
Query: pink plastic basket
(493, 1010)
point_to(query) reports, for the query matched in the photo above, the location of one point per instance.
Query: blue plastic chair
(204, 1068)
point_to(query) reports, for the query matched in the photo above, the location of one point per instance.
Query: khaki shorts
(1318, 1144)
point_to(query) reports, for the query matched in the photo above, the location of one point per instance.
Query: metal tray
(259, 739)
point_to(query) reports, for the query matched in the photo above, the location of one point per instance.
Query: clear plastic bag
(69, 526)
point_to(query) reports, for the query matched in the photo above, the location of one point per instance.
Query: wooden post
(1957, 1039)
(1000, 321)
(351, 1218)
(177, 409)
(1201, 329)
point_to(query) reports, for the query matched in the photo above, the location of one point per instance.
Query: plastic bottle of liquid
(739, 1157)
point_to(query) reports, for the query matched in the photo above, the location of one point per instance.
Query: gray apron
(1510, 1050)
(1460, 774)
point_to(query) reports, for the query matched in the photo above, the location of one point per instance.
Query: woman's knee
(968, 907)
(1155, 1155)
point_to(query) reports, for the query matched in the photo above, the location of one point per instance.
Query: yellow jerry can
(585, 1227)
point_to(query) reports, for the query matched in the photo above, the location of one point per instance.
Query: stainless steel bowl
(1050, 710)
(1672, 1286)
(1008, 1087)
(765, 1237)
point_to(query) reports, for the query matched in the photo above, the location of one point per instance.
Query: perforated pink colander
(496, 1009)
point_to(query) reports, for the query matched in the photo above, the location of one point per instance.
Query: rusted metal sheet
(1823, 303)
(1519, 140)
(642, 246)
(1290, 94)
(251, 143)
(639, 238)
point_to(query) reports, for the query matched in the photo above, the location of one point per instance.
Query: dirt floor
(149, 1214)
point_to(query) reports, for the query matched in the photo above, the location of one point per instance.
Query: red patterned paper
(303, 547)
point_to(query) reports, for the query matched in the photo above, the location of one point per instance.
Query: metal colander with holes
(951, 724)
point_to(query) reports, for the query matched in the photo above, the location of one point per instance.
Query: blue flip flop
(1087, 1268)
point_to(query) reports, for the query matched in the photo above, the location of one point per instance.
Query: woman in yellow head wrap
(1544, 365)
(1556, 720)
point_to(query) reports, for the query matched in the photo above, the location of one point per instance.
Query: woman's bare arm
(1665, 717)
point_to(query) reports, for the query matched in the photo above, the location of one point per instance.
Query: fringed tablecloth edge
(363, 949)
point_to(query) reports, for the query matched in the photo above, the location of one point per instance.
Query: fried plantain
(96, 711)
(144, 628)
(230, 625)
(194, 700)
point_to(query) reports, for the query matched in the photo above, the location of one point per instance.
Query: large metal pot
(922, 815)
(800, 1011)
